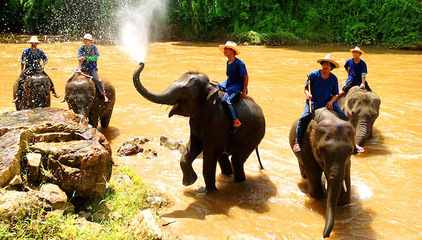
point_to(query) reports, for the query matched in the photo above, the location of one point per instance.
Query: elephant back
(36, 92)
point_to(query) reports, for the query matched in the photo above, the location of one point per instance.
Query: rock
(172, 144)
(17, 205)
(33, 162)
(145, 222)
(74, 155)
(11, 145)
(53, 196)
(132, 147)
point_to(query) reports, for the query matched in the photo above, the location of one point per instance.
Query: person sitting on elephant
(323, 93)
(356, 69)
(88, 55)
(237, 81)
(31, 64)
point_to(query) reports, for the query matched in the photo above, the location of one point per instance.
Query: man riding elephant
(31, 65)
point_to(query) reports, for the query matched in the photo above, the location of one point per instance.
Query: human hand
(243, 95)
(308, 96)
(362, 86)
(329, 105)
(82, 58)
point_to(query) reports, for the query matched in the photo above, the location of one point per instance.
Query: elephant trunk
(333, 193)
(362, 131)
(164, 97)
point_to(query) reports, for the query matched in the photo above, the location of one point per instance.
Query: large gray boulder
(70, 152)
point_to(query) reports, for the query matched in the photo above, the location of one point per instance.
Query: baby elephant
(83, 98)
(326, 148)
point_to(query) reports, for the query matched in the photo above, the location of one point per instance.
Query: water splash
(140, 23)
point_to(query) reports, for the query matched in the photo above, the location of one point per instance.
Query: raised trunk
(362, 132)
(164, 97)
(334, 188)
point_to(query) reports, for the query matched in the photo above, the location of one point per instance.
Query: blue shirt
(322, 89)
(88, 65)
(355, 71)
(236, 71)
(32, 60)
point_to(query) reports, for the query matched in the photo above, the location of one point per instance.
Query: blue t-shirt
(32, 60)
(236, 71)
(322, 89)
(88, 65)
(355, 71)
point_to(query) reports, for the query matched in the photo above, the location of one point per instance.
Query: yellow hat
(329, 58)
(34, 39)
(230, 44)
(357, 49)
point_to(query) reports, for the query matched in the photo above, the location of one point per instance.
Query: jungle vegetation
(388, 23)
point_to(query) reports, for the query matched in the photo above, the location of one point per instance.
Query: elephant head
(362, 108)
(186, 95)
(83, 98)
(36, 92)
(326, 148)
(80, 95)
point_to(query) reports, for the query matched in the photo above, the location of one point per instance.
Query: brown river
(386, 179)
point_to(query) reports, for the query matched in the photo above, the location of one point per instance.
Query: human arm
(364, 72)
(331, 102)
(245, 86)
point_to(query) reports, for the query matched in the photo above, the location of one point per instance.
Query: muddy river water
(386, 179)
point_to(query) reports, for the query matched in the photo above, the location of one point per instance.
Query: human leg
(340, 112)
(52, 89)
(99, 85)
(302, 124)
(20, 87)
(228, 96)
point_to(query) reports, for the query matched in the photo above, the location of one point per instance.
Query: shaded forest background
(388, 23)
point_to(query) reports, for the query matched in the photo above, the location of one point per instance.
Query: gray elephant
(326, 148)
(362, 109)
(83, 98)
(36, 92)
(194, 96)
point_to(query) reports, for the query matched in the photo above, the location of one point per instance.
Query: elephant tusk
(344, 185)
(325, 181)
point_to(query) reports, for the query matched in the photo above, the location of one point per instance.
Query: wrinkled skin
(326, 148)
(194, 96)
(82, 97)
(362, 108)
(36, 92)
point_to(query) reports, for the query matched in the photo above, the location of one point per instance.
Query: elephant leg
(105, 121)
(225, 165)
(193, 149)
(208, 170)
(238, 160)
(345, 194)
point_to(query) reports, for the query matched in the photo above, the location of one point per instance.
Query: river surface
(386, 179)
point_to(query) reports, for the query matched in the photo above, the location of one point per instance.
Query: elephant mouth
(173, 109)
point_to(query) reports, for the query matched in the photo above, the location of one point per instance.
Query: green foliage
(115, 210)
(391, 23)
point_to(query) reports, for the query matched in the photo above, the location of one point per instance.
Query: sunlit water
(386, 179)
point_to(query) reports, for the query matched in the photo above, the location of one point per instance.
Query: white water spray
(138, 23)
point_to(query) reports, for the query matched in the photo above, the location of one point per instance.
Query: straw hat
(34, 39)
(329, 58)
(357, 49)
(230, 44)
(88, 37)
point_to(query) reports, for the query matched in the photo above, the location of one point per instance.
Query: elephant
(83, 98)
(194, 96)
(326, 148)
(36, 92)
(362, 109)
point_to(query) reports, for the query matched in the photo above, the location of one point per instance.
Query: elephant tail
(259, 158)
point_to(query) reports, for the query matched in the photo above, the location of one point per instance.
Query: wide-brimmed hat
(329, 58)
(357, 49)
(88, 37)
(34, 39)
(230, 44)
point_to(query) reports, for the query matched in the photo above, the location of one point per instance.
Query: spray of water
(140, 23)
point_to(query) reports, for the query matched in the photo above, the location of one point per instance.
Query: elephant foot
(189, 179)
(239, 179)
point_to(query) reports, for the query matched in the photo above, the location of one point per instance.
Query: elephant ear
(311, 129)
(211, 92)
